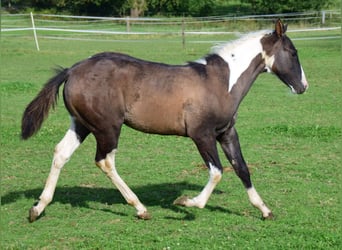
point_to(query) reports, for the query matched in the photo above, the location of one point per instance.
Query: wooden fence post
(128, 25)
(34, 32)
(323, 17)
(183, 32)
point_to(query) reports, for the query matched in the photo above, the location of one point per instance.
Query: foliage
(182, 7)
(137, 7)
(78, 7)
(86, 7)
(169, 7)
(284, 6)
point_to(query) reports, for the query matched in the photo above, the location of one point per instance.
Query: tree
(137, 7)
(93, 7)
(78, 7)
(283, 6)
(181, 7)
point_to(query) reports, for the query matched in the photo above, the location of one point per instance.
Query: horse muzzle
(299, 89)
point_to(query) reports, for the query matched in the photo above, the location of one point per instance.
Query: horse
(198, 100)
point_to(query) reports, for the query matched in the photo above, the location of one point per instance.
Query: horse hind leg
(63, 151)
(105, 160)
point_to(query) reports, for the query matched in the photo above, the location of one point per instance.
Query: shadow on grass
(161, 195)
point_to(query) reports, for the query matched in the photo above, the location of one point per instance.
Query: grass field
(293, 145)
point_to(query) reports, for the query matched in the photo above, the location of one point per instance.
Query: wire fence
(88, 27)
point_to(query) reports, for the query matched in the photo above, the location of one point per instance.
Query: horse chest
(223, 106)
(211, 112)
(224, 117)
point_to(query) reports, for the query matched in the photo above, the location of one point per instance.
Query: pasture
(292, 144)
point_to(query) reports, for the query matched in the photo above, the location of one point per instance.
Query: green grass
(292, 144)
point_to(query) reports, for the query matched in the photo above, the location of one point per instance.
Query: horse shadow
(161, 195)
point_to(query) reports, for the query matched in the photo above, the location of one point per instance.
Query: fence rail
(72, 27)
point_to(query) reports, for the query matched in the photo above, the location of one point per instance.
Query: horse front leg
(208, 151)
(230, 144)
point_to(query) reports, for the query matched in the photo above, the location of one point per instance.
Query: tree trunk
(137, 8)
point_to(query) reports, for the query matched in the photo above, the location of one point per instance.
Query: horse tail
(37, 111)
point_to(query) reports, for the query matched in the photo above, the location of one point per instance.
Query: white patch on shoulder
(239, 54)
(269, 61)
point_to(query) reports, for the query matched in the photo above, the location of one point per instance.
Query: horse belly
(155, 117)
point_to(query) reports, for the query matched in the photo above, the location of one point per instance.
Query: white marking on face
(304, 81)
(239, 54)
(292, 89)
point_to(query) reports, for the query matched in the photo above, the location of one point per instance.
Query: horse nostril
(305, 83)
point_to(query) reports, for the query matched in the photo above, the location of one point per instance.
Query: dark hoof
(270, 216)
(33, 215)
(144, 216)
(181, 201)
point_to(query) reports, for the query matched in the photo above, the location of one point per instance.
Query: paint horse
(197, 100)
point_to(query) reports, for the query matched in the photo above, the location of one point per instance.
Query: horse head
(281, 58)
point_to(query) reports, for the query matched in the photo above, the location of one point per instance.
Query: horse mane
(231, 45)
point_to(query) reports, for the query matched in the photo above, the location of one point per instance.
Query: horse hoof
(33, 214)
(270, 216)
(144, 216)
(181, 201)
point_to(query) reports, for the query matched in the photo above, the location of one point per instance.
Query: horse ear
(280, 28)
(285, 28)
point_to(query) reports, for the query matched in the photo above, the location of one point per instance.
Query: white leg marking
(202, 199)
(107, 165)
(62, 154)
(256, 201)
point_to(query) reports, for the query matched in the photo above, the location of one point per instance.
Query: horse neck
(247, 78)
(246, 61)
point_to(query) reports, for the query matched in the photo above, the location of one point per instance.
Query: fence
(84, 27)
